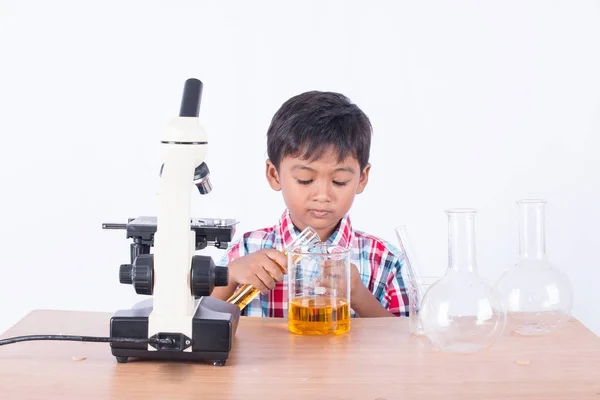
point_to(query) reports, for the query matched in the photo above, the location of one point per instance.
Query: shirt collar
(342, 236)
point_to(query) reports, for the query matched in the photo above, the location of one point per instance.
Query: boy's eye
(337, 183)
(307, 182)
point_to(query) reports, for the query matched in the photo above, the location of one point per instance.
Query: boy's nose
(322, 192)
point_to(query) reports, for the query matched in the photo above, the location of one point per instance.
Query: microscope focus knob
(125, 274)
(140, 274)
(205, 276)
(221, 276)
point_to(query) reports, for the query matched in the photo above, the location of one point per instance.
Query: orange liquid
(319, 316)
(243, 296)
(246, 293)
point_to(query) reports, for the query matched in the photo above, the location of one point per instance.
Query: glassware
(411, 268)
(246, 293)
(460, 313)
(537, 296)
(318, 289)
(415, 282)
(417, 287)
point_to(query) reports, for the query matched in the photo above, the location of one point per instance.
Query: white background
(474, 104)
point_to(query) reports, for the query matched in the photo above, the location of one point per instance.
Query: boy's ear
(273, 176)
(364, 178)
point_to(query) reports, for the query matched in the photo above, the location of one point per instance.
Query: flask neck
(461, 240)
(532, 238)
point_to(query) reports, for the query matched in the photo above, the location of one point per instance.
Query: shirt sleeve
(395, 299)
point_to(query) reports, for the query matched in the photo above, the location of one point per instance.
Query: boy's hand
(334, 277)
(362, 300)
(259, 269)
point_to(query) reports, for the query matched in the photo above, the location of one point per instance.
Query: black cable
(16, 339)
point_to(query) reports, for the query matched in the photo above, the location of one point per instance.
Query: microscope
(194, 326)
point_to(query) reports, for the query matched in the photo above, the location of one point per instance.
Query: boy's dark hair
(309, 124)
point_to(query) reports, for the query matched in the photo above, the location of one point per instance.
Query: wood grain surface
(377, 359)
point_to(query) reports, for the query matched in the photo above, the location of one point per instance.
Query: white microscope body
(200, 327)
(185, 144)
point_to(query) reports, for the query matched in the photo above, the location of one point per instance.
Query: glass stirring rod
(246, 293)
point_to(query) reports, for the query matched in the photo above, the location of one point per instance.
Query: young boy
(318, 148)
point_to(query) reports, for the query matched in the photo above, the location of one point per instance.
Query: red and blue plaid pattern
(380, 265)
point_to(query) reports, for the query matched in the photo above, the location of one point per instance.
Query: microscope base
(213, 328)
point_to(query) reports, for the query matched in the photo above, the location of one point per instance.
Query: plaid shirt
(379, 264)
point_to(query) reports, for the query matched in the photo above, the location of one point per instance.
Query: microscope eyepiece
(192, 95)
(202, 179)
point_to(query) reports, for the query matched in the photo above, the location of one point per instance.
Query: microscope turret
(199, 327)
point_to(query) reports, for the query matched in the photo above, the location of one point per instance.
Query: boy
(318, 148)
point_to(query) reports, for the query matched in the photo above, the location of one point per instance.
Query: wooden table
(377, 359)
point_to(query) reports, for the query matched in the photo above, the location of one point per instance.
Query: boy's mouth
(319, 213)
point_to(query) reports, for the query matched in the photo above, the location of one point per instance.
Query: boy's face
(318, 193)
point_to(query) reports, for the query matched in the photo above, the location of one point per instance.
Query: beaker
(538, 297)
(461, 313)
(319, 289)
(246, 293)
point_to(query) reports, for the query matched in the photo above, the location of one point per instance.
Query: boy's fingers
(326, 283)
(266, 279)
(331, 281)
(273, 270)
(333, 270)
(277, 257)
(258, 284)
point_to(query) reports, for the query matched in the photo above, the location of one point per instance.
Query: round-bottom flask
(537, 296)
(460, 313)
